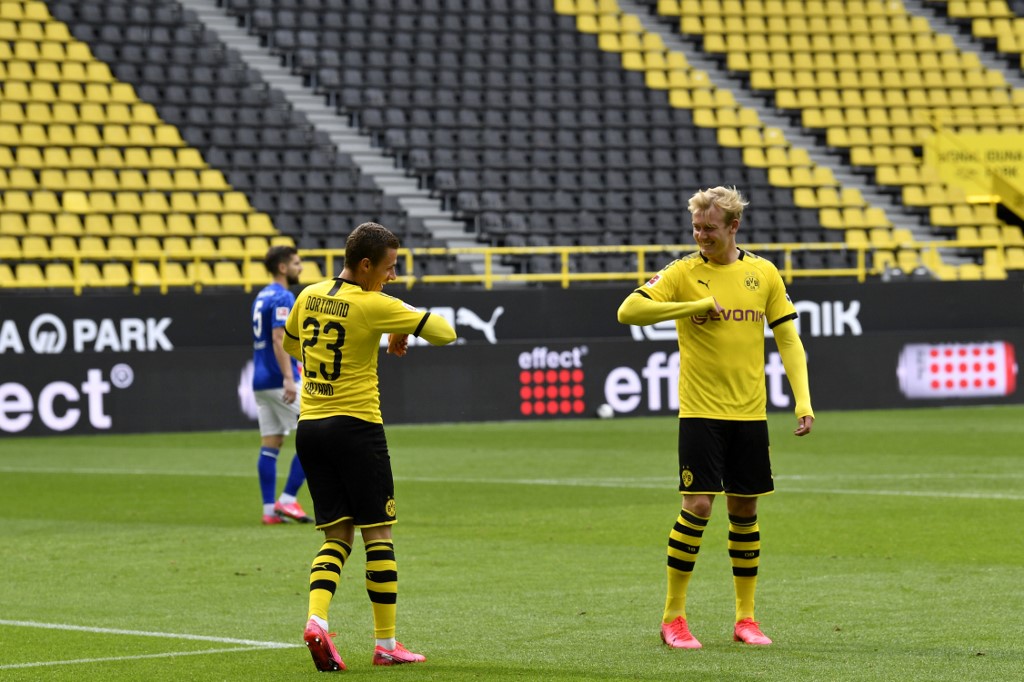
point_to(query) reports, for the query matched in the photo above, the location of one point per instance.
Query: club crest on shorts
(686, 476)
(389, 507)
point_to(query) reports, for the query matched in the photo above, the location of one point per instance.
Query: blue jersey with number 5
(269, 310)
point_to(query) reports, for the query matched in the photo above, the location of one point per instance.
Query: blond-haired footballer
(721, 297)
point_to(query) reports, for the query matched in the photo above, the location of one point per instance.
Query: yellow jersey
(334, 330)
(721, 355)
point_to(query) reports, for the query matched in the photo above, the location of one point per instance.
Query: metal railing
(332, 260)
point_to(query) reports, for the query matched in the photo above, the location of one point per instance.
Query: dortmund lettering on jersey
(338, 326)
(731, 385)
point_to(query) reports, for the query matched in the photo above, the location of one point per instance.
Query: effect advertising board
(179, 362)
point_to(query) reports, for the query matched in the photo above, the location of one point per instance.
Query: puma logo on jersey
(707, 284)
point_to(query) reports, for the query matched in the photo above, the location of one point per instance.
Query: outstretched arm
(434, 328)
(795, 361)
(640, 310)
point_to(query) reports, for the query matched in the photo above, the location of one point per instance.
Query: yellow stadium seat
(311, 272)
(45, 201)
(148, 247)
(89, 275)
(40, 224)
(23, 178)
(207, 224)
(969, 272)
(177, 247)
(12, 224)
(152, 224)
(231, 247)
(58, 275)
(256, 247)
(210, 178)
(203, 247)
(175, 275)
(831, 218)
(67, 224)
(183, 202)
(92, 247)
(29, 274)
(116, 275)
(121, 247)
(234, 224)
(146, 274)
(97, 224)
(227, 273)
(128, 202)
(125, 224)
(180, 224)
(10, 247)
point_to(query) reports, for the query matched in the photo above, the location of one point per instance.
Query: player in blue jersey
(275, 384)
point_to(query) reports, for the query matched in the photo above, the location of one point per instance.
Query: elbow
(623, 315)
(442, 337)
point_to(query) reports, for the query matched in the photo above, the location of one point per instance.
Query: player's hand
(718, 306)
(398, 344)
(291, 392)
(804, 425)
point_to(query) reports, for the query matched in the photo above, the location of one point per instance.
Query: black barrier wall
(179, 362)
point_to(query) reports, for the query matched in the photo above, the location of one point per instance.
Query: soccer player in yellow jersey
(721, 297)
(334, 329)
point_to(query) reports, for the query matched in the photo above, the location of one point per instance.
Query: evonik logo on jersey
(736, 315)
(48, 334)
(828, 318)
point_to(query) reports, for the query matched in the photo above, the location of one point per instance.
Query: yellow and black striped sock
(683, 545)
(745, 553)
(382, 586)
(324, 575)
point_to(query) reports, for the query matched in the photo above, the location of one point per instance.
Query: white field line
(242, 644)
(169, 654)
(650, 482)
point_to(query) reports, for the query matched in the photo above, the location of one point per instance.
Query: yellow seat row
(828, 197)
(777, 8)
(1009, 235)
(56, 72)
(884, 34)
(855, 217)
(89, 158)
(35, 247)
(75, 201)
(869, 77)
(46, 113)
(877, 154)
(157, 179)
(90, 135)
(957, 215)
(35, 30)
(77, 93)
(60, 275)
(134, 224)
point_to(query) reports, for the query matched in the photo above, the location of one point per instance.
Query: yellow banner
(971, 161)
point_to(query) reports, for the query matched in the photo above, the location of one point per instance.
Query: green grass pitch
(527, 551)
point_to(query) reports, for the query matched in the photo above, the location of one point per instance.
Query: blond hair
(728, 199)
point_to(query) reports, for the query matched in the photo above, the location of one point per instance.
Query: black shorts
(348, 471)
(723, 456)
